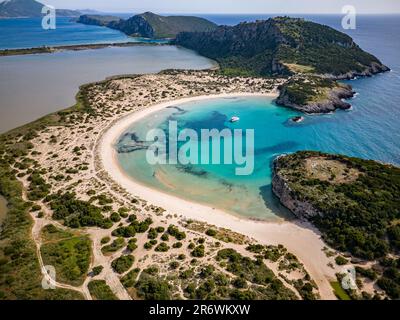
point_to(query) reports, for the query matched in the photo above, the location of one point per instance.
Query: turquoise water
(28, 33)
(371, 130)
(218, 185)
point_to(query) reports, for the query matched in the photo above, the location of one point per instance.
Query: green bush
(211, 232)
(123, 263)
(105, 240)
(198, 252)
(116, 245)
(97, 270)
(177, 245)
(340, 261)
(150, 287)
(175, 232)
(162, 247)
(152, 234)
(132, 246)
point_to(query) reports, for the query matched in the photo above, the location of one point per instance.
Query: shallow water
(370, 130)
(32, 86)
(365, 131)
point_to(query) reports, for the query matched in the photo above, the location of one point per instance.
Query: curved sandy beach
(299, 238)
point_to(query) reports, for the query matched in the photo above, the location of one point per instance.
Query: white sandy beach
(299, 238)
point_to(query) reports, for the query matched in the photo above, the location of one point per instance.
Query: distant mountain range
(283, 46)
(150, 25)
(29, 8)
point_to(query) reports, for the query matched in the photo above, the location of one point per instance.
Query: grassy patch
(99, 290)
(51, 233)
(339, 292)
(20, 276)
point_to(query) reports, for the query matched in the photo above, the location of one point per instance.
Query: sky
(229, 6)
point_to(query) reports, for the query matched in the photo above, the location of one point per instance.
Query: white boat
(298, 119)
(234, 119)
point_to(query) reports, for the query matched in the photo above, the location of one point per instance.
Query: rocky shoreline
(334, 98)
(333, 101)
(300, 208)
(373, 69)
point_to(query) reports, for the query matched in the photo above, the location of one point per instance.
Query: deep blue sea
(370, 130)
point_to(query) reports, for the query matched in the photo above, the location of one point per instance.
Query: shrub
(152, 234)
(151, 287)
(165, 237)
(97, 270)
(115, 217)
(99, 290)
(160, 229)
(211, 232)
(162, 247)
(175, 232)
(105, 240)
(239, 283)
(116, 245)
(340, 261)
(177, 245)
(122, 263)
(198, 252)
(129, 280)
(132, 246)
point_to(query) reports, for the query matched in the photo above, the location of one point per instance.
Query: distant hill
(282, 46)
(28, 8)
(151, 25)
(97, 20)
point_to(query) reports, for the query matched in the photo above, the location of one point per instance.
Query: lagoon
(367, 131)
(32, 86)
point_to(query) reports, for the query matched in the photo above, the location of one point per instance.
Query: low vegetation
(70, 257)
(359, 205)
(99, 290)
(123, 263)
(20, 276)
(77, 213)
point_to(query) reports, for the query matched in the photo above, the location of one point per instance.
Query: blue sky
(230, 6)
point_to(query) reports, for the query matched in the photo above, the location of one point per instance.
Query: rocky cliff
(97, 20)
(314, 95)
(301, 208)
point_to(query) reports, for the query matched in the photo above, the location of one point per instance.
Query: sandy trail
(299, 238)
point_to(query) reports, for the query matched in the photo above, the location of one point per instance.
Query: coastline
(296, 236)
(75, 47)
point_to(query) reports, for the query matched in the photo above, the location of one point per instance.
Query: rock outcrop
(300, 208)
(333, 100)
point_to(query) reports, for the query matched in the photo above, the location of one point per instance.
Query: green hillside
(282, 46)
